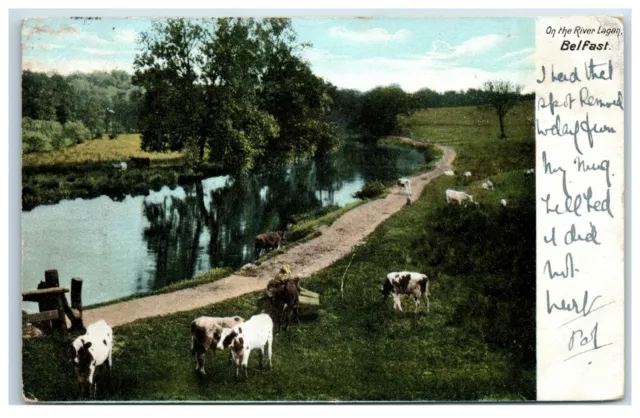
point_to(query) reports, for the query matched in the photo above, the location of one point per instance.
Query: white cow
(487, 185)
(406, 283)
(254, 334)
(405, 184)
(467, 174)
(205, 333)
(457, 195)
(90, 351)
(449, 173)
(503, 202)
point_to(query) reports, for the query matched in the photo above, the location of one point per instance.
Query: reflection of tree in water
(230, 215)
(173, 237)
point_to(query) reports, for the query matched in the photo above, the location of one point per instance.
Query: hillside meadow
(477, 343)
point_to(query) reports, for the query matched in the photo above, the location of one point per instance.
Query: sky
(439, 53)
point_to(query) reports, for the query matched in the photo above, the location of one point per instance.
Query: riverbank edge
(193, 285)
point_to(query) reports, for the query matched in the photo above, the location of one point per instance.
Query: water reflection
(190, 229)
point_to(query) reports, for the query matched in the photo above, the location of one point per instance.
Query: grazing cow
(141, 161)
(268, 241)
(457, 195)
(285, 299)
(254, 334)
(90, 351)
(467, 174)
(449, 173)
(529, 171)
(121, 165)
(406, 283)
(205, 332)
(503, 202)
(405, 184)
(487, 185)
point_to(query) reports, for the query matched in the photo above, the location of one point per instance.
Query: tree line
(231, 93)
(104, 102)
(375, 113)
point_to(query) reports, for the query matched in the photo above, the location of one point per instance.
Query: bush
(34, 142)
(76, 132)
(45, 135)
(371, 189)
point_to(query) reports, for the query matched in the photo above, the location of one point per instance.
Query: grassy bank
(477, 343)
(86, 171)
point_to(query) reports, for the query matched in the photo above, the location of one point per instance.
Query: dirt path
(304, 259)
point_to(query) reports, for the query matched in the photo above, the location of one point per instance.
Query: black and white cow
(406, 283)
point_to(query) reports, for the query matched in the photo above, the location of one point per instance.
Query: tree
(231, 90)
(502, 96)
(380, 109)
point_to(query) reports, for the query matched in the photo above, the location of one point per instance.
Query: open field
(477, 343)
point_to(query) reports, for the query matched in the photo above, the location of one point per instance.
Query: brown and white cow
(268, 241)
(205, 333)
(406, 283)
(255, 334)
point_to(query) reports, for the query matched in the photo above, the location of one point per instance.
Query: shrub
(76, 132)
(371, 189)
(34, 142)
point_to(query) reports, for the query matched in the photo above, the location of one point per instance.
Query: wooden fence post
(76, 303)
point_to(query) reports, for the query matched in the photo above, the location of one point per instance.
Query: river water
(143, 243)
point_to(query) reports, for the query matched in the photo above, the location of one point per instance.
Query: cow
(405, 183)
(205, 333)
(449, 173)
(487, 185)
(406, 283)
(457, 195)
(121, 165)
(285, 300)
(89, 351)
(255, 334)
(467, 174)
(140, 162)
(268, 241)
(503, 202)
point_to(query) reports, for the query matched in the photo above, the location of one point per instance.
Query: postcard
(321, 209)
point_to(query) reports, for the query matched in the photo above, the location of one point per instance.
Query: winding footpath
(305, 259)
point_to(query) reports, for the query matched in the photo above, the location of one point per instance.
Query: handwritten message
(580, 208)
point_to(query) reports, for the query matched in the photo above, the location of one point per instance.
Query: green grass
(98, 151)
(204, 278)
(476, 344)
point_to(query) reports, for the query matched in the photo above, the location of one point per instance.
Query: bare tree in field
(502, 95)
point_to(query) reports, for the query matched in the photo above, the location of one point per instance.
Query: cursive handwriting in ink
(551, 240)
(579, 339)
(572, 236)
(569, 268)
(573, 305)
(603, 166)
(590, 71)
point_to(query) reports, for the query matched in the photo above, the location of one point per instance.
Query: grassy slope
(98, 151)
(358, 348)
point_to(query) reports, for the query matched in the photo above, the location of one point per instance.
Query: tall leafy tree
(230, 89)
(380, 109)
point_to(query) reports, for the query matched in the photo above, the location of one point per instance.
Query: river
(141, 243)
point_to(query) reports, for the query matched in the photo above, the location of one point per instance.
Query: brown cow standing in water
(268, 241)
